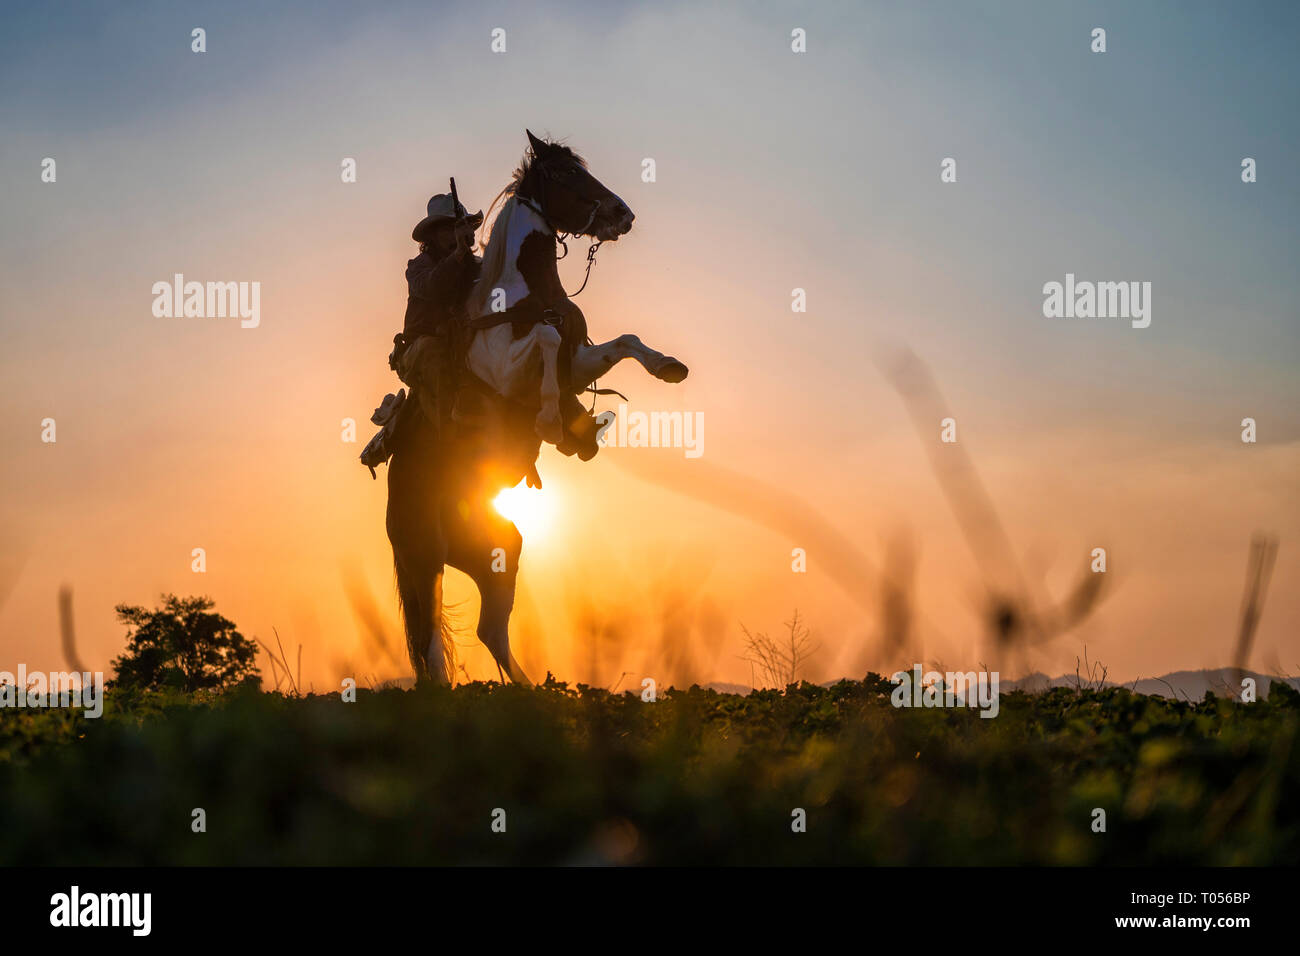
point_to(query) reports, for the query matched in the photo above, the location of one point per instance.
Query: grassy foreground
(413, 777)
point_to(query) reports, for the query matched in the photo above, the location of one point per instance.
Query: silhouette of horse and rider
(495, 353)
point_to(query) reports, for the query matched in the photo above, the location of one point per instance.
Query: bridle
(543, 174)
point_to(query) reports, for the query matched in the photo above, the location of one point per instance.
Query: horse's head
(571, 199)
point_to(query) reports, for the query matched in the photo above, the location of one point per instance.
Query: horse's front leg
(549, 424)
(590, 362)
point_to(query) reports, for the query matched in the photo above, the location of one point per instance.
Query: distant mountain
(724, 688)
(1180, 685)
(1190, 685)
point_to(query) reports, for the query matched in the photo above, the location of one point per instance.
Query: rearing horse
(519, 289)
(442, 481)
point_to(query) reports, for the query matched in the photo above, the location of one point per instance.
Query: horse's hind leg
(416, 534)
(492, 561)
(494, 626)
(590, 362)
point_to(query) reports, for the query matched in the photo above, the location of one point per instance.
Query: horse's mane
(494, 250)
(494, 254)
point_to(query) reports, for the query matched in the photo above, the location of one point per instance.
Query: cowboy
(438, 282)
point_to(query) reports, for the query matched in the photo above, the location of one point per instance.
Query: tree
(779, 662)
(183, 645)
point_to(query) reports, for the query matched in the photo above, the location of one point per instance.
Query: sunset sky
(775, 171)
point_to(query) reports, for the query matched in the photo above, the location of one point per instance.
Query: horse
(552, 194)
(442, 480)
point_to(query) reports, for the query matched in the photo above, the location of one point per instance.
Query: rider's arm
(442, 282)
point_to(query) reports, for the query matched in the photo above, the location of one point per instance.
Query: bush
(184, 646)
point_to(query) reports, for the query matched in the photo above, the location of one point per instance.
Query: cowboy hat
(440, 212)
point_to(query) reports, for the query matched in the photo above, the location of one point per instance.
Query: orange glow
(531, 509)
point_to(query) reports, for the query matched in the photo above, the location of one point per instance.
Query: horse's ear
(536, 143)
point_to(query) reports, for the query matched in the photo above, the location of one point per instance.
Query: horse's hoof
(549, 428)
(672, 371)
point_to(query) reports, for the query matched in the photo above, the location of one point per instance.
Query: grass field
(585, 776)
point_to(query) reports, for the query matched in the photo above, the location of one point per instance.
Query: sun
(529, 508)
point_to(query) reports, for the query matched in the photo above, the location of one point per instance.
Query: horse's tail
(419, 600)
(408, 604)
(447, 644)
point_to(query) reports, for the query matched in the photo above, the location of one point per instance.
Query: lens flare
(529, 508)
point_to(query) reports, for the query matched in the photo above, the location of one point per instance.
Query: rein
(591, 261)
